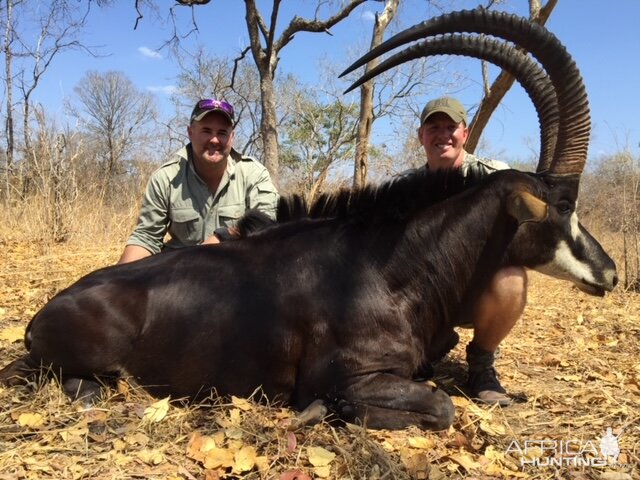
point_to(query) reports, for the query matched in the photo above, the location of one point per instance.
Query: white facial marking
(575, 228)
(567, 267)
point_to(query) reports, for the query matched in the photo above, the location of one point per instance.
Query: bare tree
(53, 178)
(503, 82)
(56, 178)
(610, 199)
(394, 94)
(8, 57)
(9, 38)
(114, 116)
(365, 122)
(57, 26)
(202, 75)
(316, 136)
(266, 49)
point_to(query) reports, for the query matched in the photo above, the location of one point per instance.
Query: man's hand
(212, 240)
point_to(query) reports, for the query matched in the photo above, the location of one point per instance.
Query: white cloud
(369, 15)
(147, 52)
(166, 89)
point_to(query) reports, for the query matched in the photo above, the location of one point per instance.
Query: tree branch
(236, 61)
(255, 25)
(139, 13)
(502, 84)
(272, 31)
(301, 25)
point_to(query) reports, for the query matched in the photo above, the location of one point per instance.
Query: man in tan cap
(443, 133)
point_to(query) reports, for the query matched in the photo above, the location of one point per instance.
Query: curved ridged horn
(530, 75)
(574, 120)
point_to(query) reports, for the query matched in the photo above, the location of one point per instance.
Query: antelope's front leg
(384, 400)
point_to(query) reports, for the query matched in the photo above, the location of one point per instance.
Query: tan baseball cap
(447, 105)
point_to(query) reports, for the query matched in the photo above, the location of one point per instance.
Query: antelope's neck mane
(395, 199)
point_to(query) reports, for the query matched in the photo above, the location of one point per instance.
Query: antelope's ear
(525, 207)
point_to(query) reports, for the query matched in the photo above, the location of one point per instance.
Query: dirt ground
(572, 362)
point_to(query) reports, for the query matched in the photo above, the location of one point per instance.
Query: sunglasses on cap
(207, 105)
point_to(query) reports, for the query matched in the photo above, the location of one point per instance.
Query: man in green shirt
(203, 190)
(443, 133)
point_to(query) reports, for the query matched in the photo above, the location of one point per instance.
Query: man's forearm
(132, 253)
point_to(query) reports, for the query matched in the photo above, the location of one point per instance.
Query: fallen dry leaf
(295, 475)
(31, 420)
(465, 460)
(136, 439)
(151, 457)
(74, 435)
(241, 403)
(292, 442)
(320, 457)
(219, 457)
(322, 472)
(244, 459)
(421, 442)
(615, 476)
(156, 412)
(199, 445)
(12, 334)
(418, 465)
(492, 428)
(460, 402)
(606, 394)
(234, 433)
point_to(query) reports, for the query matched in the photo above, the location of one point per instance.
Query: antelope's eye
(565, 207)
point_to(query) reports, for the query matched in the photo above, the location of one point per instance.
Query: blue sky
(602, 37)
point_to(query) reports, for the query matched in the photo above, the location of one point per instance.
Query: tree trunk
(365, 122)
(26, 130)
(8, 58)
(317, 186)
(502, 83)
(265, 49)
(268, 124)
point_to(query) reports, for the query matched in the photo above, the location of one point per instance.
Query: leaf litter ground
(573, 363)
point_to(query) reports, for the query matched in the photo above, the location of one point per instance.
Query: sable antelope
(342, 308)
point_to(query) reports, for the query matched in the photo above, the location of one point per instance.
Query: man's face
(211, 139)
(443, 141)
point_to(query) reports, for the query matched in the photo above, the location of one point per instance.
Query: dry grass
(82, 221)
(573, 360)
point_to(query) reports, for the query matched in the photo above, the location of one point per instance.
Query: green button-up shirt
(179, 202)
(486, 166)
(471, 164)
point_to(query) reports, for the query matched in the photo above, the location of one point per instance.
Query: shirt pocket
(186, 226)
(267, 188)
(265, 198)
(228, 215)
